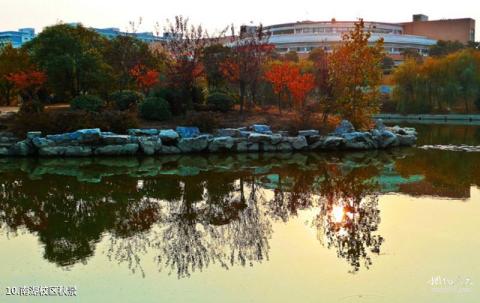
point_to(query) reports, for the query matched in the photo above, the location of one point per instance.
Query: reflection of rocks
(193, 211)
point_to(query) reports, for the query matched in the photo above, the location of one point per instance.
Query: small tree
(145, 78)
(355, 72)
(28, 84)
(288, 81)
(12, 61)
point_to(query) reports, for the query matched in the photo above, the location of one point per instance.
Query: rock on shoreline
(257, 138)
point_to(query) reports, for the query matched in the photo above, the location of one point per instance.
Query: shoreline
(189, 140)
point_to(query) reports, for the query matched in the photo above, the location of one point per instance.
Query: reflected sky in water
(313, 227)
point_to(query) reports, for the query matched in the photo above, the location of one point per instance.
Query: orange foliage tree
(145, 78)
(288, 81)
(355, 72)
(28, 84)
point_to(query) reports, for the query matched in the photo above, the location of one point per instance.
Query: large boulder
(261, 128)
(143, 132)
(259, 138)
(87, 135)
(316, 142)
(333, 142)
(168, 136)
(22, 148)
(51, 150)
(344, 127)
(221, 144)
(387, 139)
(188, 131)
(78, 151)
(33, 135)
(196, 144)
(276, 138)
(80, 136)
(150, 145)
(308, 133)
(67, 151)
(117, 150)
(229, 132)
(359, 140)
(267, 147)
(42, 142)
(298, 142)
(112, 139)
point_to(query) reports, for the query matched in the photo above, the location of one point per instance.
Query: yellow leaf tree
(355, 72)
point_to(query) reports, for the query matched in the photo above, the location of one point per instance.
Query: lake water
(386, 226)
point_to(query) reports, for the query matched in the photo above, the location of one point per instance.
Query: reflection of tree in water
(70, 217)
(349, 215)
(218, 225)
(190, 222)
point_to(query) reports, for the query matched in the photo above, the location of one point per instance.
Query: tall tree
(443, 48)
(244, 67)
(323, 86)
(71, 56)
(124, 53)
(213, 57)
(185, 45)
(355, 71)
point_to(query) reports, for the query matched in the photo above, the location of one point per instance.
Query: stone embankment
(257, 138)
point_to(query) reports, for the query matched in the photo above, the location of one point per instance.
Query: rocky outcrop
(257, 138)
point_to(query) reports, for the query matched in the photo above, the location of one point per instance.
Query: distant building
(462, 30)
(418, 35)
(17, 38)
(112, 32)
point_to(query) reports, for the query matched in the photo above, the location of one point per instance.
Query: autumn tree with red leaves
(28, 84)
(244, 66)
(288, 81)
(145, 78)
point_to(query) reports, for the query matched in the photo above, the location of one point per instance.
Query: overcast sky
(216, 14)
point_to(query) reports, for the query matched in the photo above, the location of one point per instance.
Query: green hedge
(155, 108)
(220, 101)
(89, 103)
(126, 99)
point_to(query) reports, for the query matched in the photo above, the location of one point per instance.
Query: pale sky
(216, 14)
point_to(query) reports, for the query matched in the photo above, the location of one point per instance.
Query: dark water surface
(387, 226)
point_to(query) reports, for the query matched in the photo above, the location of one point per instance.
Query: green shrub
(89, 103)
(56, 122)
(477, 103)
(154, 108)
(126, 99)
(220, 101)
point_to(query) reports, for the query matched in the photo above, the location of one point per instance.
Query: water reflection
(194, 212)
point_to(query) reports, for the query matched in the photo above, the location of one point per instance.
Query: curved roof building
(304, 36)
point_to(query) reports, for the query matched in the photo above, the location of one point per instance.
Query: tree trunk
(242, 97)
